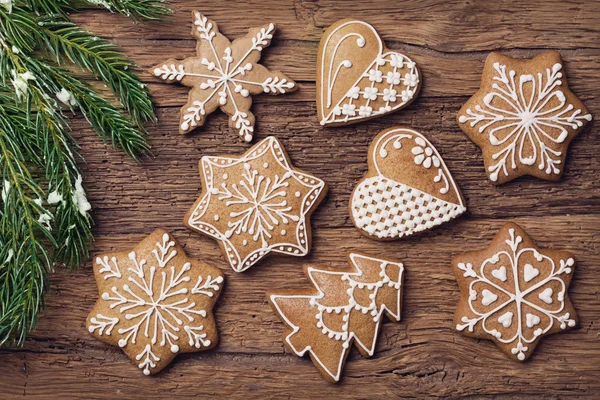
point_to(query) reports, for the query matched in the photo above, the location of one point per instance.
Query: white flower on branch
(19, 82)
(79, 197)
(66, 97)
(7, 4)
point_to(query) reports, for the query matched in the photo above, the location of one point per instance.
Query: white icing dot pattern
(388, 209)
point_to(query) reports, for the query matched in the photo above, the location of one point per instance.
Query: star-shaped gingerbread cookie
(523, 117)
(256, 204)
(225, 75)
(514, 292)
(155, 302)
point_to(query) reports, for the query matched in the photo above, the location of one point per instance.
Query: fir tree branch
(65, 39)
(38, 229)
(137, 10)
(24, 260)
(48, 6)
(73, 224)
(103, 116)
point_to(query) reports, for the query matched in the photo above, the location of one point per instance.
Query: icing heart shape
(546, 295)
(500, 273)
(532, 320)
(488, 297)
(358, 78)
(506, 319)
(529, 272)
(407, 188)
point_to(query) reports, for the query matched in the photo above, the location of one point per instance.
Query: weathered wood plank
(420, 357)
(444, 75)
(310, 148)
(449, 26)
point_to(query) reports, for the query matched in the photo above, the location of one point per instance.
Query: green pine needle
(44, 214)
(137, 10)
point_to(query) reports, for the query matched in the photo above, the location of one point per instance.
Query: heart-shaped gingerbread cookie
(358, 78)
(407, 188)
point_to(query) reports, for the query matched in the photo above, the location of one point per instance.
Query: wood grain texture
(420, 357)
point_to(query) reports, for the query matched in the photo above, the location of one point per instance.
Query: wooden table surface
(421, 356)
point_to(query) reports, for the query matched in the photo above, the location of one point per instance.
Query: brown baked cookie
(358, 78)
(256, 204)
(345, 307)
(407, 188)
(514, 292)
(523, 117)
(155, 302)
(224, 74)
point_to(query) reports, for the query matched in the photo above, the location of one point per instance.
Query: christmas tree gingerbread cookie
(514, 292)
(256, 204)
(523, 117)
(358, 78)
(224, 74)
(345, 307)
(155, 302)
(407, 188)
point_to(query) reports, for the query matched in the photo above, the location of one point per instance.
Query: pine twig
(150, 10)
(100, 57)
(24, 260)
(73, 223)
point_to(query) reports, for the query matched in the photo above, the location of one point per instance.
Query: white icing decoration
(506, 319)
(257, 205)
(225, 78)
(388, 209)
(103, 324)
(529, 272)
(524, 121)
(532, 320)
(109, 271)
(517, 297)
(546, 296)
(146, 309)
(375, 309)
(372, 76)
(500, 273)
(488, 297)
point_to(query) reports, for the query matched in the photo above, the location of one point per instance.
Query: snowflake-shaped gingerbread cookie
(514, 292)
(155, 302)
(256, 204)
(224, 74)
(523, 117)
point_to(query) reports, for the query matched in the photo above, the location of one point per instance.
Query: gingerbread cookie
(346, 307)
(407, 188)
(358, 78)
(514, 292)
(256, 204)
(225, 75)
(523, 117)
(155, 302)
